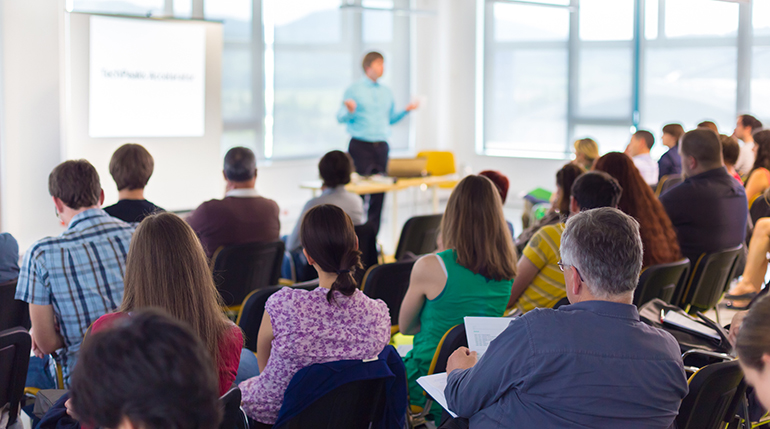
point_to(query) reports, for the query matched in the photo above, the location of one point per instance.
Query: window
(126, 7)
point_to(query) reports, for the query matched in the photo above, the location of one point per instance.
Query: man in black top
(131, 167)
(709, 209)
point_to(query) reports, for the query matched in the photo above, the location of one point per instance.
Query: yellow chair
(440, 163)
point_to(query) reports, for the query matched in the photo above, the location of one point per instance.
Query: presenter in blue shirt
(369, 110)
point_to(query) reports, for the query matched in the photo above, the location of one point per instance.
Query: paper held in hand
(480, 331)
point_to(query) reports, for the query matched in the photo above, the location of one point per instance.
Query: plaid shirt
(80, 273)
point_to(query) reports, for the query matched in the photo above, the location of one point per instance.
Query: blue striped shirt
(80, 273)
(375, 111)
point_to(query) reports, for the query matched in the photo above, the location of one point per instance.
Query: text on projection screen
(147, 78)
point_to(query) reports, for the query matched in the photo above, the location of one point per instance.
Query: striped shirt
(80, 273)
(547, 288)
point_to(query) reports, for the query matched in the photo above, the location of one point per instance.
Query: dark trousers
(371, 158)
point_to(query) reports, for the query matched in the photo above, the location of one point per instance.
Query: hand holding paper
(461, 358)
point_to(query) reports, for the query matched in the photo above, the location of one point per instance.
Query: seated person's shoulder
(8, 242)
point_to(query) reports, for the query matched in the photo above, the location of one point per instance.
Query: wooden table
(392, 186)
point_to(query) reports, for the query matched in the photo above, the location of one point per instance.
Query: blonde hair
(588, 148)
(166, 268)
(474, 226)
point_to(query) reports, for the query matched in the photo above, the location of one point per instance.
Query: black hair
(596, 189)
(240, 164)
(750, 121)
(335, 168)
(150, 369)
(328, 237)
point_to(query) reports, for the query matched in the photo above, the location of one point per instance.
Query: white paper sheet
(480, 331)
(688, 324)
(434, 386)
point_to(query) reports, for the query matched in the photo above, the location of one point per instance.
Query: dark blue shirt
(708, 211)
(9, 258)
(132, 211)
(670, 163)
(589, 365)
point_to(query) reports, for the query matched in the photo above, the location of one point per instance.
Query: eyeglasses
(562, 265)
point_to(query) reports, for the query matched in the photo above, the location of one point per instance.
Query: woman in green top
(472, 277)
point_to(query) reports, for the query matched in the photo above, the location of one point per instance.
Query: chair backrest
(15, 345)
(253, 308)
(233, 415)
(12, 311)
(419, 236)
(760, 208)
(440, 163)
(453, 339)
(367, 244)
(240, 269)
(661, 281)
(667, 182)
(389, 283)
(709, 279)
(710, 401)
(357, 404)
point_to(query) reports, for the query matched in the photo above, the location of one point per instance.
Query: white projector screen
(147, 78)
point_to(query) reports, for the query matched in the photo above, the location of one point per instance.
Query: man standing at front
(369, 110)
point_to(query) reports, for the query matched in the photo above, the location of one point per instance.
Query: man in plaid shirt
(71, 280)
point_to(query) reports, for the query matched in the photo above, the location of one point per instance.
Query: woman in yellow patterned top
(540, 282)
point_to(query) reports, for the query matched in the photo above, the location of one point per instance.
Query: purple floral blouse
(307, 329)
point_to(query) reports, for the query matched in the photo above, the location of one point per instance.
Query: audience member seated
(501, 182)
(335, 168)
(471, 278)
(745, 127)
(750, 335)
(730, 152)
(149, 372)
(9, 258)
(540, 282)
(670, 164)
(559, 211)
(586, 152)
(131, 167)
(334, 322)
(592, 364)
(708, 210)
(242, 216)
(639, 151)
(165, 263)
(73, 279)
(756, 267)
(709, 125)
(639, 202)
(759, 177)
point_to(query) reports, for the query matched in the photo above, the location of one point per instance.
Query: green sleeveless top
(465, 294)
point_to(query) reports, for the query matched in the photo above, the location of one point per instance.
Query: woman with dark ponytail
(334, 322)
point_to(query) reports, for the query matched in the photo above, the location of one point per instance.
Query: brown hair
(638, 201)
(703, 145)
(474, 226)
(371, 57)
(754, 336)
(328, 237)
(76, 183)
(647, 136)
(167, 268)
(674, 130)
(709, 125)
(565, 178)
(750, 121)
(131, 167)
(762, 140)
(730, 149)
(500, 181)
(335, 168)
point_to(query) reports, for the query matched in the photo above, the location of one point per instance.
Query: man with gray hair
(589, 364)
(242, 216)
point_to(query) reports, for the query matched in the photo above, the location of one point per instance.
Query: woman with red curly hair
(657, 231)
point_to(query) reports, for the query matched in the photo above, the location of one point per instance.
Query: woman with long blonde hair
(167, 268)
(472, 277)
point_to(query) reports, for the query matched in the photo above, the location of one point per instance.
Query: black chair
(389, 283)
(560, 303)
(367, 244)
(667, 182)
(358, 404)
(710, 278)
(661, 281)
(238, 270)
(760, 208)
(233, 415)
(12, 311)
(710, 403)
(253, 308)
(418, 236)
(15, 345)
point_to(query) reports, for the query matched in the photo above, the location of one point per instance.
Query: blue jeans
(248, 367)
(39, 373)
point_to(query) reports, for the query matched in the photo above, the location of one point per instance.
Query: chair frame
(21, 339)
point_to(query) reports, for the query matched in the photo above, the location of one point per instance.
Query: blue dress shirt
(375, 111)
(593, 364)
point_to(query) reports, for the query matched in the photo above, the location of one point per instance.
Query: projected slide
(147, 78)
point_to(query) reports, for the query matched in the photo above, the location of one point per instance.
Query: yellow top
(547, 288)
